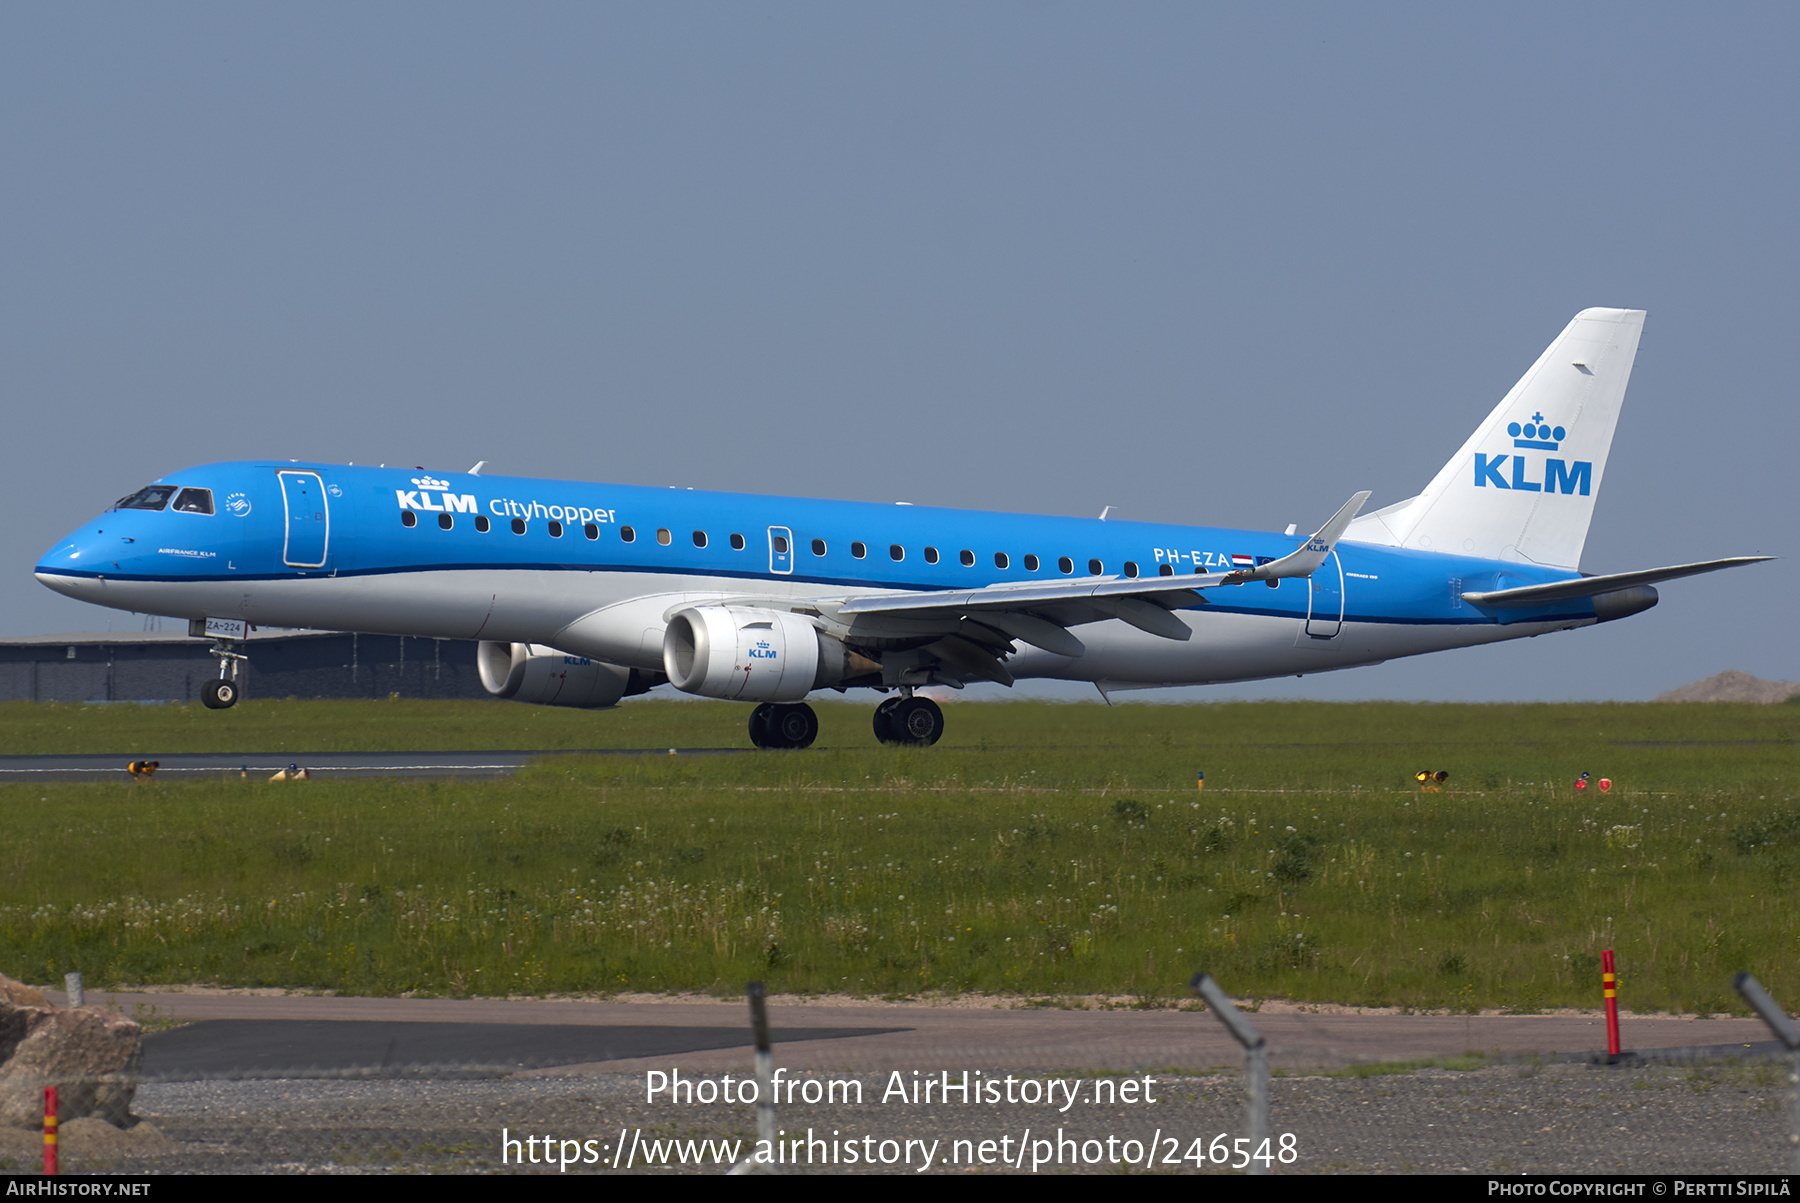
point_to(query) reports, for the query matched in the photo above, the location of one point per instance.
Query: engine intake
(755, 655)
(531, 672)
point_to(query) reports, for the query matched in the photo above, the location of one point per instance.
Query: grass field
(1042, 849)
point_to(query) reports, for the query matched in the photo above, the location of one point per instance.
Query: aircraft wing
(1040, 613)
(970, 631)
(1589, 586)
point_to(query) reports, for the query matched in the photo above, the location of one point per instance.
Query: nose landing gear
(221, 693)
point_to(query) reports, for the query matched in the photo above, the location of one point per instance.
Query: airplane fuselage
(582, 594)
(594, 569)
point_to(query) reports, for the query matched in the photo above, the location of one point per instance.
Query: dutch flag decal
(1238, 561)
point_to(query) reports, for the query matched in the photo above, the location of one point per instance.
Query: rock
(80, 1139)
(18, 994)
(1733, 686)
(90, 1054)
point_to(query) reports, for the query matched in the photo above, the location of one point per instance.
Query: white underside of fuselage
(610, 616)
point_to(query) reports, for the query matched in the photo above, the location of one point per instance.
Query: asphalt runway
(188, 766)
(873, 1036)
(305, 1048)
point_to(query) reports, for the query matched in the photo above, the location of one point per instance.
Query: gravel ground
(1719, 1118)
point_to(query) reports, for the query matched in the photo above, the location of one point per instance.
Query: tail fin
(1523, 486)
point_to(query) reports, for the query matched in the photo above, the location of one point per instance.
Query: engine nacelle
(754, 655)
(531, 672)
(1623, 603)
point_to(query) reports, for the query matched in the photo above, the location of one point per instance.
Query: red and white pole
(50, 1130)
(1610, 978)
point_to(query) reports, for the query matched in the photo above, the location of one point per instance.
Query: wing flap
(1038, 632)
(1178, 590)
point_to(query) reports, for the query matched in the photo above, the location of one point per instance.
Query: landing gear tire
(773, 726)
(219, 694)
(759, 725)
(884, 721)
(916, 721)
(795, 726)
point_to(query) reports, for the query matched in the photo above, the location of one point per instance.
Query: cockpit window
(155, 497)
(194, 501)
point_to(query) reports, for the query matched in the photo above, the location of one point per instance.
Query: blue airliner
(582, 594)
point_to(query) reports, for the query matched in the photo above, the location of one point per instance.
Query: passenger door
(308, 542)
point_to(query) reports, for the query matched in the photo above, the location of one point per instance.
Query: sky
(1204, 263)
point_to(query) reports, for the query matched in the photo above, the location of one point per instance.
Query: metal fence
(801, 1100)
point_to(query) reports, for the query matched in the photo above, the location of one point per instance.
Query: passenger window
(482, 523)
(1000, 560)
(408, 518)
(1131, 569)
(818, 547)
(555, 529)
(194, 501)
(627, 535)
(781, 545)
(445, 522)
(858, 550)
(1165, 570)
(518, 525)
(1031, 563)
(896, 552)
(1095, 568)
(1066, 564)
(591, 530)
(737, 542)
(699, 538)
(968, 558)
(663, 536)
(931, 555)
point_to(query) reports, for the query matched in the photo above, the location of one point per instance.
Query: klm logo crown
(1536, 433)
(1558, 475)
(427, 482)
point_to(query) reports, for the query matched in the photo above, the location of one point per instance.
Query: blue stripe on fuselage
(244, 542)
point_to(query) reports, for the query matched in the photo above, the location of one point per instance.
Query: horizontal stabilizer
(1591, 586)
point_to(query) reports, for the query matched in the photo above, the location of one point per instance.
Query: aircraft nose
(61, 557)
(73, 563)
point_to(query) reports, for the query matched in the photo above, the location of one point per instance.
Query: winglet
(1308, 555)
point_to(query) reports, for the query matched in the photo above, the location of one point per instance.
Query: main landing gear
(909, 720)
(902, 721)
(778, 726)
